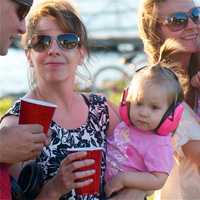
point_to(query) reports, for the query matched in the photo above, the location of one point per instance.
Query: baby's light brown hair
(160, 75)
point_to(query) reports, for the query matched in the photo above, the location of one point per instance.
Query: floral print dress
(91, 134)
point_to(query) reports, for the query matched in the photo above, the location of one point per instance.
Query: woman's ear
(83, 54)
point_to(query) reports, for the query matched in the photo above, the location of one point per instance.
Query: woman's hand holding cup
(70, 171)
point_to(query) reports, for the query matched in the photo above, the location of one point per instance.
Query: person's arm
(187, 135)
(19, 142)
(48, 191)
(192, 151)
(66, 178)
(131, 194)
(138, 180)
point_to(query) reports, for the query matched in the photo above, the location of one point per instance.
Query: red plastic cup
(33, 111)
(5, 187)
(94, 187)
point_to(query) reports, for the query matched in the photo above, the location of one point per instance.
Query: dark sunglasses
(179, 20)
(66, 41)
(22, 10)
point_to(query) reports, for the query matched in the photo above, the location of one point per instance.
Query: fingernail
(91, 161)
(93, 171)
(91, 180)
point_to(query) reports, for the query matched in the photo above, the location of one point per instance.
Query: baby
(139, 151)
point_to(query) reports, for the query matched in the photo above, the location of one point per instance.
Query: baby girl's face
(148, 106)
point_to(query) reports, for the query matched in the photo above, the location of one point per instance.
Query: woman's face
(54, 64)
(187, 36)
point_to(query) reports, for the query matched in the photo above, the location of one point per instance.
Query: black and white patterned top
(91, 134)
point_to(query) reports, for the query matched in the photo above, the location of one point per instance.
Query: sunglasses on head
(179, 20)
(66, 41)
(22, 10)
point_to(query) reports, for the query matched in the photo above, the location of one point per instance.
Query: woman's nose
(54, 49)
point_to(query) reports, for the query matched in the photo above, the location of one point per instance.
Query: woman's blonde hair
(147, 26)
(158, 49)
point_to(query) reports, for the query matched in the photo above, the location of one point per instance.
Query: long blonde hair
(168, 52)
(147, 26)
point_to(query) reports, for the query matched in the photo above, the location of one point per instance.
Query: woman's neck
(55, 93)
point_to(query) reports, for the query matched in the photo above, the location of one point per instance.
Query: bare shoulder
(192, 151)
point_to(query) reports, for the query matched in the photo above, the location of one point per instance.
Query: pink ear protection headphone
(169, 121)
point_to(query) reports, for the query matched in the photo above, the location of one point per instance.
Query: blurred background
(116, 50)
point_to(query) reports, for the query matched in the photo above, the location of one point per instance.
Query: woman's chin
(191, 47)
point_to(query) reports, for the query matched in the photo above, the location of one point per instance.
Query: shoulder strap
(86, 99)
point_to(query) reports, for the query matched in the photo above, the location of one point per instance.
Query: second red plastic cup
(33, 111)
(94, 187)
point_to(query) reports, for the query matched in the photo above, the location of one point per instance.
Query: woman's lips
(190, 37)
(54, 63)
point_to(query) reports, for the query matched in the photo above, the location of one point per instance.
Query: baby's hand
(195, 80)
(114, 185)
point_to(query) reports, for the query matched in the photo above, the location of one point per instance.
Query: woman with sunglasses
(180, 21)
(18, 142)
(56, 44)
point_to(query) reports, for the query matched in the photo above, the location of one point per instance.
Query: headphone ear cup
(124, 108)
(170, 120)
(124, 113)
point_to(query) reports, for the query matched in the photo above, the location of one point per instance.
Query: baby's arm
(195, 80)
(187, 136)
(138, 180)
